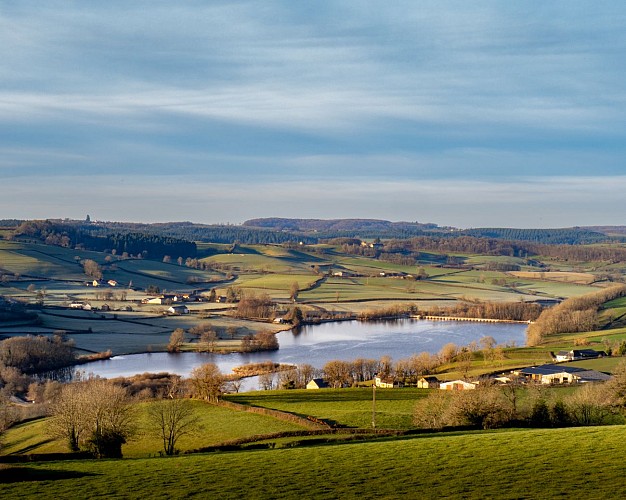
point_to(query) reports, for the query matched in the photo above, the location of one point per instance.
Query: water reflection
(318, 344)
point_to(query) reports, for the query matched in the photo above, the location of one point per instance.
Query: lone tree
(176, 340)
(92, 269)
(294, 291)
(172, 418)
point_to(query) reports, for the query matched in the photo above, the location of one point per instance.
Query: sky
(468, 114)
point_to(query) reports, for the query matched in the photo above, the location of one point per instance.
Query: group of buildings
(557, 373)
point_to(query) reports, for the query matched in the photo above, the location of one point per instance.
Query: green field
(347, 407)
(216, 425)
(577, 463)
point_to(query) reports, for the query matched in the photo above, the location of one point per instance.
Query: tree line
(576, 314)
(68, 235)
(33, 354)
(412, 250)
(506, 311)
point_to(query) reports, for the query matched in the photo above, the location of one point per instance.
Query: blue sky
(460, 113)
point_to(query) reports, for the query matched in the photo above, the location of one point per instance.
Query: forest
(146, 245)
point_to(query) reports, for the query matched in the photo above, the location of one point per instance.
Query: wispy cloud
(446, 92)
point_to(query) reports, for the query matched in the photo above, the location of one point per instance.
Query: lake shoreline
(318, 344)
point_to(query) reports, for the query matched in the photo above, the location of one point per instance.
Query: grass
(528, 464)
(562, 276)
(216, 425)
(347, 407)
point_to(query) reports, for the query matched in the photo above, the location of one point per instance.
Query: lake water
(318, 344)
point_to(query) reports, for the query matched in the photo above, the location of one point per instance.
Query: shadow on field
(26, 474)
(28, 449)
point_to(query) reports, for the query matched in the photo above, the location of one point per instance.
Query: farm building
(317, 383)
(386, 382)
(577, 354)
(154, 300)
(457, 385)
(559, 374)
(428, 383)
(182, 309)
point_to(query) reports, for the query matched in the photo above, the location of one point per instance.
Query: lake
(318, 344)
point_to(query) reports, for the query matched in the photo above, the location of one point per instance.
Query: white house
(385, 383)
(428, 383)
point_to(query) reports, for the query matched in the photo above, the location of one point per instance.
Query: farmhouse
(386, 382)
(317, 383)
(428, 383)
(163, 299)
(457, 385)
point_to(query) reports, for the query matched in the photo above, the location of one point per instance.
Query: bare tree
(235, 385)
(171, 419)
(92, 269)
(484, 407)
(176, 340)
(447, 352)
(95, 415)
(110, 418)
(338, 373)
(294, 291)
(7, 415)
(432, 411)
(588, 405)
(207, 382)
(266, 381)
(68, 415)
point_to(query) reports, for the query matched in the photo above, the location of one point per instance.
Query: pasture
(215, 425)
(346, 407)
(576, 462)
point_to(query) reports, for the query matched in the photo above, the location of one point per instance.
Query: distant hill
(277, 230)
(563, 236)
(336, 228)
(373, 228)
(618, 231)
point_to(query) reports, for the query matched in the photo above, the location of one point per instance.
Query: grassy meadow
(346, 407)
(522, 464)
(216, 425)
